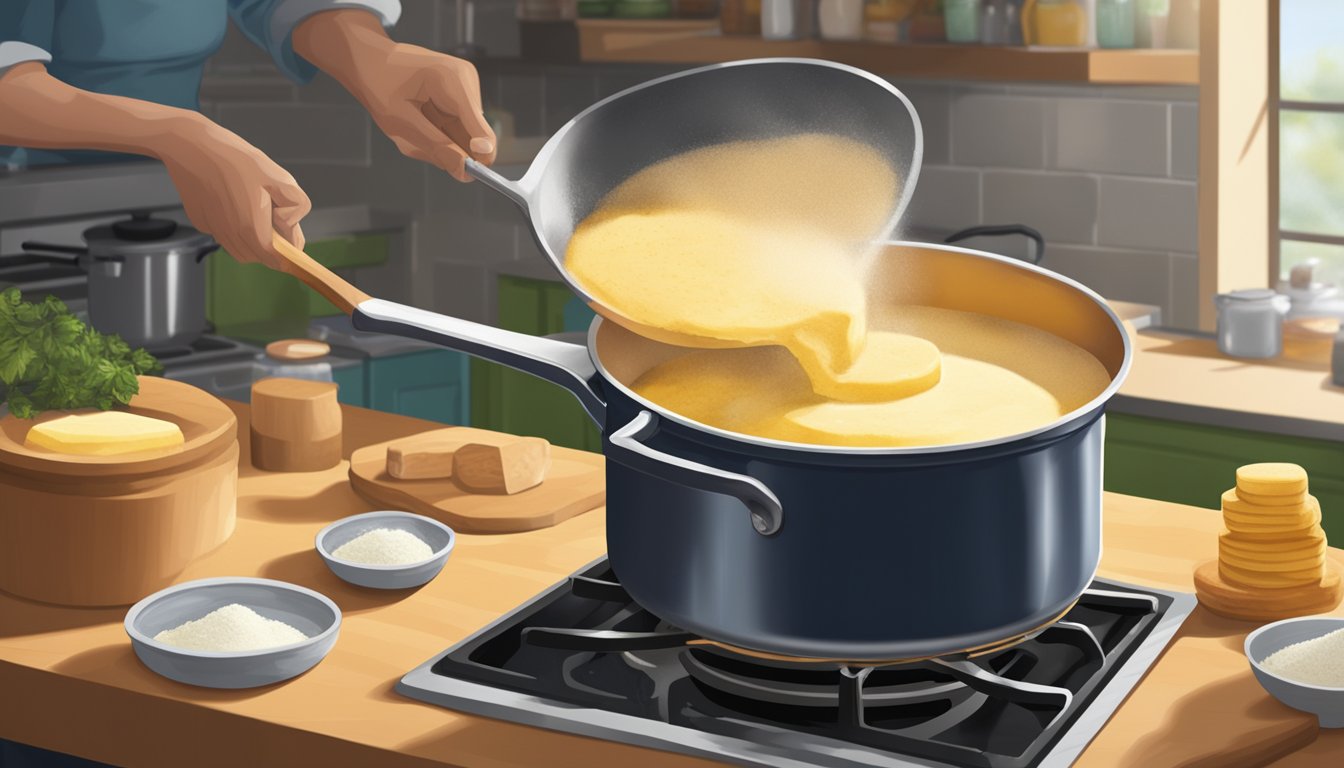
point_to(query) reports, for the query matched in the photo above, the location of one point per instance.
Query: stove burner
(584, 657)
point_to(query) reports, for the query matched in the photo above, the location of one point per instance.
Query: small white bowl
(438, 536)
(1326, 703)
(311, 613)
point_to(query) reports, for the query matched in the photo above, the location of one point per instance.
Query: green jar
(961, 19)
(1115, 23)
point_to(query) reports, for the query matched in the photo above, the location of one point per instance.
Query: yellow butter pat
(107, 433)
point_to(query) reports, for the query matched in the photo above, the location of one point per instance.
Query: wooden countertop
(1184, 377)
(81, 690)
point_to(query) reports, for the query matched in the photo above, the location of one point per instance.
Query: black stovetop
(585, 658)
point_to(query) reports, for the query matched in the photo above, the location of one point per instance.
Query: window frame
(1276, 106)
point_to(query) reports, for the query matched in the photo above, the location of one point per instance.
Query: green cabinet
(505, 400)
(350, 384)
(258, 304)
(433, 384)
(1193, 463)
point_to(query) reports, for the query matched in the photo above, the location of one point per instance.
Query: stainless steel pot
(146, 280)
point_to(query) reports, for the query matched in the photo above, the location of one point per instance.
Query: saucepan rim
(764, 442)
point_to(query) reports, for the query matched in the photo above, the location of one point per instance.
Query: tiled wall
(1106, 173)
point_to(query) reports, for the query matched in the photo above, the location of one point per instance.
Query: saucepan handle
(558, 362)
(626, 446)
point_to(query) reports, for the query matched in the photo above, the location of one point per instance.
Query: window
(1311, 136)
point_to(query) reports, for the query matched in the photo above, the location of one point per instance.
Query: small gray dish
(311, 613)
(438, 536)
(1326, 703)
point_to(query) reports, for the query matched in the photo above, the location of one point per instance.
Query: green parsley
(50, 360)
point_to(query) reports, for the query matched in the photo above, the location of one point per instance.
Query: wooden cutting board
(575, 483)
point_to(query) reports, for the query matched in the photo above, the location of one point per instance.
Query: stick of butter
(106, 433)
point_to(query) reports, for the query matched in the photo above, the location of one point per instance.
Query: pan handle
(626, 446)
(510, 189)
(558, 362)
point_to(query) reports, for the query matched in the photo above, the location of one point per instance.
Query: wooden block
(429, 456)
(1252, 604)
(574, 484)
(421, 462)
(1272, 479)
(508, 468)
(296, 425)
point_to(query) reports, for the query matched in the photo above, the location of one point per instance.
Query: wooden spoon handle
(319, 278)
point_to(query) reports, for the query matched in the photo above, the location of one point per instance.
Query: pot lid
(144, 233)
(1252, 294)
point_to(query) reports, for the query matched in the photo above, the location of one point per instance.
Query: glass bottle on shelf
(787, 19)
(740, 17)
(926, 25)
(999, 23)
(962, 20)
(1115, 23)
(882, 19)
(1055, 23)
(1150, 27)
(840, 19)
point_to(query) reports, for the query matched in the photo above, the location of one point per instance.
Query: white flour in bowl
(384, 546)
(1319, 661)
(231, 628)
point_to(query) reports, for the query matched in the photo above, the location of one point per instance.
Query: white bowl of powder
(387, 549)
(233, 632)
(1301, 663)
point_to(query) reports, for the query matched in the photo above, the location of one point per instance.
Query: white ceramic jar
(1250, 322)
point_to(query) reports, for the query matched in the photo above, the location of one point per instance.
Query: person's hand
(232, 191)
(428, 103)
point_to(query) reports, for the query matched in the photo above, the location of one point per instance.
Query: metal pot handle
(625, 447)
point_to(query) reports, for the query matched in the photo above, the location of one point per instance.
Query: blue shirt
(153, 50)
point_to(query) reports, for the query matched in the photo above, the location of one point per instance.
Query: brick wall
(1106, 173)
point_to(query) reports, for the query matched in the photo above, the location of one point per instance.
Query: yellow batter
(760, 246)
(753, 243)
(998, 378)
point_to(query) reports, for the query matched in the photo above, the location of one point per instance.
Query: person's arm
(427, 102)
(229, 188)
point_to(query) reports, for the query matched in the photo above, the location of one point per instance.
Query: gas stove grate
(584, 657)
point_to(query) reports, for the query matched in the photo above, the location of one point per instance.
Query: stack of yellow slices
(1272, 557)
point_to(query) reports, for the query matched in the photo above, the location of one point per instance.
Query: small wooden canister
(296, 425)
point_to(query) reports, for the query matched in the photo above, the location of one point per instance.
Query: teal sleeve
(270, 25)
(28, 21)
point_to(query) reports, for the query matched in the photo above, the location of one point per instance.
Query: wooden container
(108, 530)
(296, 425)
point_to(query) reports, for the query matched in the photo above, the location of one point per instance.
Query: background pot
(146, 279)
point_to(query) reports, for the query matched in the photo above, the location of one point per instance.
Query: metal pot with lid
(146, 279)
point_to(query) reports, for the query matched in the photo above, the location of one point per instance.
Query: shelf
(700, 42)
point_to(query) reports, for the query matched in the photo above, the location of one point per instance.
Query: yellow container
(1059, 23)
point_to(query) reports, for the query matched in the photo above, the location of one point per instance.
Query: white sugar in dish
(231, 628)
(384, 546)
(1319, 661)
